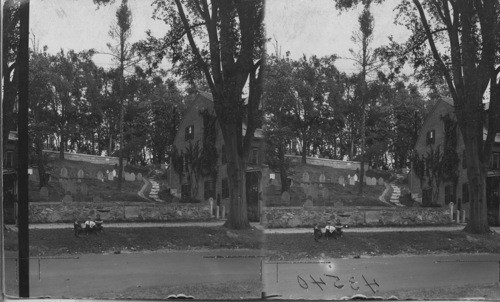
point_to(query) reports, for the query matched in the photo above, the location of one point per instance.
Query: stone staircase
(396, 193)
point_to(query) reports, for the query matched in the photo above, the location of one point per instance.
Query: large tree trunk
(62, 145)
(304, 150)
(40, 161)
(476, 175)
(236, 172)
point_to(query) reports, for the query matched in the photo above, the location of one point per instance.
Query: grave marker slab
(285, 197)
(305, 176)
(352, 182)
(67, 198)
(322, 178)
(341, 181)
(44, 193)
(100, 176)
(355, 177)
(80, 175)
(380, 181)
(308, 203)
(110, 177)
(139, 176)
(64, 172)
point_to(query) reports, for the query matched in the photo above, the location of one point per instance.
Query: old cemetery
(313, 185)
(78, 181)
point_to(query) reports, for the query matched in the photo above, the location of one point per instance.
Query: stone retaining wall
(334, 163)
(95, 159)
(52, 212)
(289, 217)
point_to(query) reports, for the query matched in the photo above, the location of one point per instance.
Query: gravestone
(80, 175)
(325, 192)
(285, 197)
(355, 177)
(132, 176)
(348, 177)
(352, 182)
(380, 181)
(139, 176)
(84, 189)
(110, 177)
(114, 173)
(100, 176)
(371, 181)
(34, 176)
(305, 177)
(44, 193)
(322, 178)
(64, 172)
(71, 187)
(308, 203)
(341, 181)
(67, 198)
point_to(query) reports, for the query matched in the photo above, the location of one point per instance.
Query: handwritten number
(370, 284)
(318, 283)
(351, 280)
(302, 282)
(335, 283)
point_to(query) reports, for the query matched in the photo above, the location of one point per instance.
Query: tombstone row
(351, 180)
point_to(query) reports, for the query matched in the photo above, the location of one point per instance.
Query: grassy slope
(107, 189)
(347, 195)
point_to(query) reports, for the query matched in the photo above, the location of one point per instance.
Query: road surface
(375, 276)
(91, 275)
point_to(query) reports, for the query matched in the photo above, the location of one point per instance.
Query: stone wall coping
(346, 208)
(119, 203)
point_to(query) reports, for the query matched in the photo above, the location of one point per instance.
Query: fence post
(223, 212)
(211, 201)
(217, 213)
(458, 216)
(463, 216)
(451, 211)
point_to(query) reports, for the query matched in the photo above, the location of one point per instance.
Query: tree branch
(435, 53)
(193, 45)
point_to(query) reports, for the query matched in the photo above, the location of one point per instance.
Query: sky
(81, 25)
(310, 27)
(315, 27)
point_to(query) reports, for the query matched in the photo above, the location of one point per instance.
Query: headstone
(64, 172)
(322, 178)
(341, 181)
(285, 197)
(84, 189)
(100, 176)
(67, 198)
(308, 203)
(110, 177)
(132, 176)
(44, 193)
(80, 175)
(325, 193)
(348, 176)
(71, 187)
(34, 176)
(380, 181)
(352, 182)
(305, 177)
(114, 173)
(372, 181)
(355, 177)
(139, 176)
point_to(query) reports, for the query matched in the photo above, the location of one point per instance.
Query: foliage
(223, 41)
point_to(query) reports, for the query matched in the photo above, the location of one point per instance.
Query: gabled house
(199, 167)
(439, 175)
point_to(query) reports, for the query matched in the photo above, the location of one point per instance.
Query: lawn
(303, 246)
(115, 240)
(277, 246)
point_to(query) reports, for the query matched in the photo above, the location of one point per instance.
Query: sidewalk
(450, 228)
